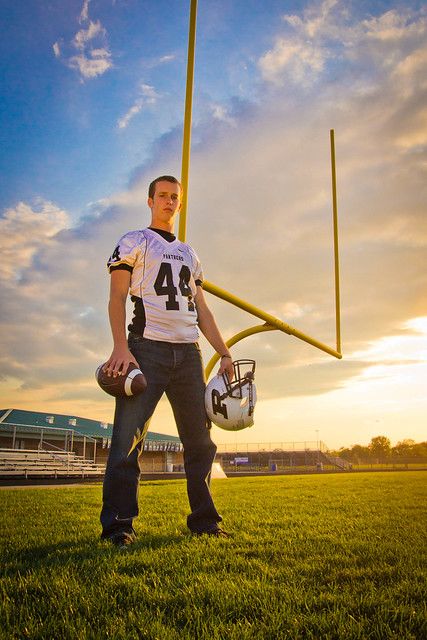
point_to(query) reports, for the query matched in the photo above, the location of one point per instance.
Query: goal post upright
(336, 250)
(186, 142)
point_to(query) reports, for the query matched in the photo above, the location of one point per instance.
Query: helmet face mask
(230, 405)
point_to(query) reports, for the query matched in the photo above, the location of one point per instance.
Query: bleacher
(338, 462)
(26, 463)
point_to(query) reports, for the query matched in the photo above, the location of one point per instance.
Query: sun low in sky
(92, 111)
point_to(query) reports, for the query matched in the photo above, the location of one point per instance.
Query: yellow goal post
(270, 322)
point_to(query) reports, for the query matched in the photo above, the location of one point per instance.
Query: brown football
(131, 384)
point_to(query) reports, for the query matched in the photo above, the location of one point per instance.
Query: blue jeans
(177, 370)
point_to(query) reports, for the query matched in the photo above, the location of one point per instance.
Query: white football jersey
(163, 276)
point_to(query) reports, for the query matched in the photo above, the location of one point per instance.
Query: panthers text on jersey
(163, 285)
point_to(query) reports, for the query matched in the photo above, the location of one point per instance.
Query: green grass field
(333, 556)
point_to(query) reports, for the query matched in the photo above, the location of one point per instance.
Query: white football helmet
(230, 405)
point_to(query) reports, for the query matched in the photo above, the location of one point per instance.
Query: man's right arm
(120, 357)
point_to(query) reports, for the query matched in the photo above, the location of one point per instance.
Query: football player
(163, 277)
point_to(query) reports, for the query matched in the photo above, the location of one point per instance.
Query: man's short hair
(152, 187)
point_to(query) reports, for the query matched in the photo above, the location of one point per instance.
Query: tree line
(380, 450)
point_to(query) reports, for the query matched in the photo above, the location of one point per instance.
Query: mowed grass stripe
(334, 556)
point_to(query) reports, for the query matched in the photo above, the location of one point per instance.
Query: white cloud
(84, 14)
(314, 19)
(167, 58)
(152, 63)
(324, 34)
(149, 93)
(300, 55)
(93, 64)
(24, 230)
(393, 26)
(82, 37)
(53, 292)
(221, 113)
(302, 61)
(93, 57)
(123, 122)
(148, 97)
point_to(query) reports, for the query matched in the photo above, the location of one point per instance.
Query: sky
(92, 110)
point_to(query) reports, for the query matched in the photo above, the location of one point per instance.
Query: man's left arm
(212, 334)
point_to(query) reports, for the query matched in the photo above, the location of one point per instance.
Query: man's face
(166, 203)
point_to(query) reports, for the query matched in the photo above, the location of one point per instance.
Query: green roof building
(21, 429)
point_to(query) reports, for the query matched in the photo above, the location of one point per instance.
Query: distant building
(20, 429)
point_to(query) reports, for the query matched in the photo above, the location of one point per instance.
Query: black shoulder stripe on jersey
(121, 267)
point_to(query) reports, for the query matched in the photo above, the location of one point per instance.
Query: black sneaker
(121, 539)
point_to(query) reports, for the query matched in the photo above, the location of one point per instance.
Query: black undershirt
(167, 235)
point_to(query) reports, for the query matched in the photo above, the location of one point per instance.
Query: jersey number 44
(164, 286)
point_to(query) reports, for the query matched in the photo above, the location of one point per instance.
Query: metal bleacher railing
(257, 447)
(45, 435)
(28, 463)
(52, 455)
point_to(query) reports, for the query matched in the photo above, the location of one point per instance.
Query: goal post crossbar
(271, 323)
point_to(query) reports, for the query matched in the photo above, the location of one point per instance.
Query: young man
(164, 278)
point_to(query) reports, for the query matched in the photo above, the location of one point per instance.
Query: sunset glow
(93, 110)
